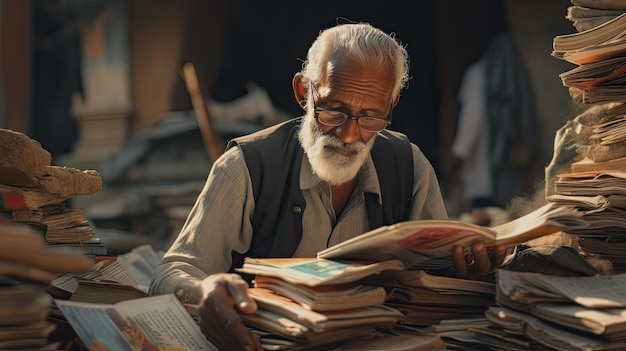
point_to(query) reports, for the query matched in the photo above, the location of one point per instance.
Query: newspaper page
(545, 333)
(151, 323)
(597, 291)
(141, 262)
(420, 243)
(414, 243)
(134, 268)
(593, 292)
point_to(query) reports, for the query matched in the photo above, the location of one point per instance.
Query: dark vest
(273, 157)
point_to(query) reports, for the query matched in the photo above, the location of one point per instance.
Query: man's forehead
(355, 77)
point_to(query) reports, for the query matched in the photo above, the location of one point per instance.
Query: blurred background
(99, 83)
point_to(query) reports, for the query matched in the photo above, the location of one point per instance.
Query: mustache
(331, 140)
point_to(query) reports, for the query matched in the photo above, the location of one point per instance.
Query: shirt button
(296, 210)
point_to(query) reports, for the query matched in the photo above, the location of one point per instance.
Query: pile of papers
(596, 176)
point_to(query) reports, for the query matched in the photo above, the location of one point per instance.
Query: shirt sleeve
(427, 200)
(220, 222)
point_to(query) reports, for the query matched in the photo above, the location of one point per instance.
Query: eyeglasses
(334, 118)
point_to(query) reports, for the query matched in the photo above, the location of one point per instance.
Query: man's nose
(348, 132)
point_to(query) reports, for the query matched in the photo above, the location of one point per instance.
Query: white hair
(360, 41)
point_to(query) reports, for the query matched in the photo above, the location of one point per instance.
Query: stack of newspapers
(537, 311)
(376, 283)
(594, 179)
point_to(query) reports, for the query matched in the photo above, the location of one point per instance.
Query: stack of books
(588, 14)
(538, 311)
(441, 306)
(35, 192)
(593, 45)
(316, 302)
(26, 266)
(429, 301)
(594, 178)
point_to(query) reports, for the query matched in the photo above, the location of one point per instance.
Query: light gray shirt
(221, 219)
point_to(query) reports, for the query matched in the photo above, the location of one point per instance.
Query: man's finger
(219, 320)
(482, 262)
(498, 256)
(459, 265)
(241, 298)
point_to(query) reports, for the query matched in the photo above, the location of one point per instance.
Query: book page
(325, 297)
(595, 203)
(67, 281)
(141, 262)
(549, 218)
(117, 272)
(412, 242)
(600, 321)
(421, 279)
(596, 53)
(154, 323)
(375, 315)
(546, 333)
(610, 30)
(418, 243)
(517, 287)
(94, 326)
(593, 292)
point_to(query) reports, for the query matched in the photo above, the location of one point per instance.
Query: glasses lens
(372, 124)
(331, 118)
(336, 118)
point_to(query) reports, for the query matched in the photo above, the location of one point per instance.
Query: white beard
(329, 165)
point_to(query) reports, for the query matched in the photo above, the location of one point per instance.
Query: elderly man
(308, 183)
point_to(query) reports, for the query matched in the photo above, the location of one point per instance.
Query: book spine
(12, 200)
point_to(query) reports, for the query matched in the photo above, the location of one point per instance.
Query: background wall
(240, 41)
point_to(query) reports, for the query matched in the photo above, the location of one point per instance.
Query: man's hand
(224, 295)
(477, 264)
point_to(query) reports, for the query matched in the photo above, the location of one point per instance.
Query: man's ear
(299, 89)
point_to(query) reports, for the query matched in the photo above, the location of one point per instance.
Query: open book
(419, 241)
(149, 323)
